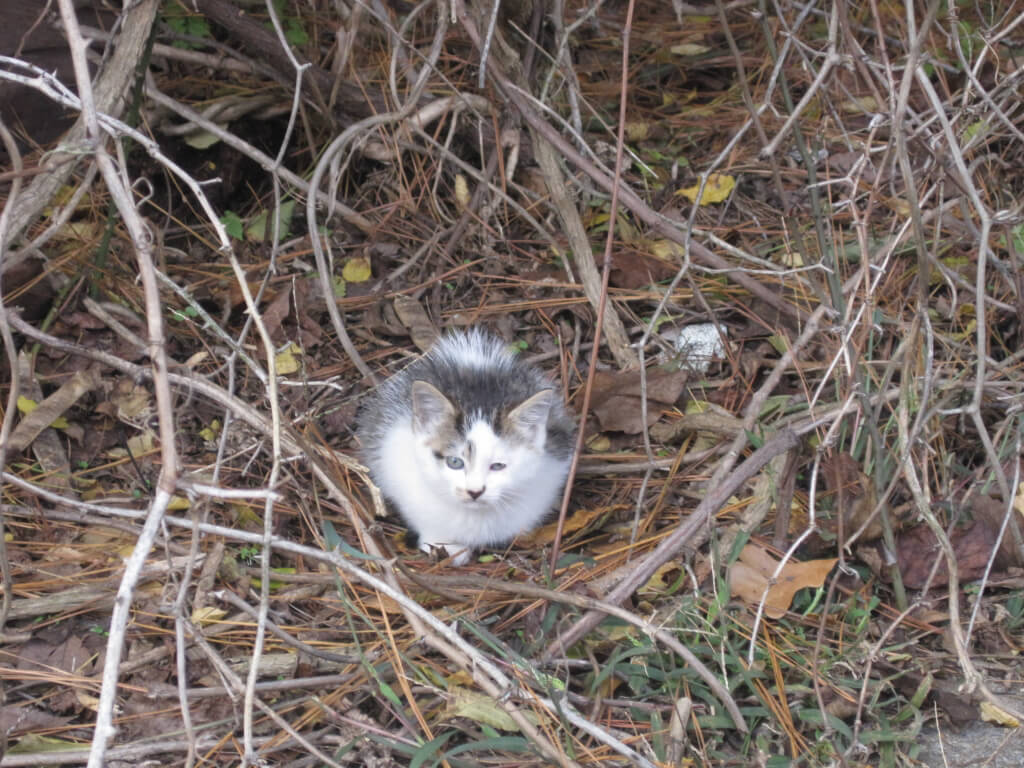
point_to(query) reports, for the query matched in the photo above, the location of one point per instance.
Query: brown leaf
(751, 575)
(917, 550)
(991, 512)
(633, 269)
(616, 397)
(52, 407)
(415, 318)
(275, 313)
(853, 499)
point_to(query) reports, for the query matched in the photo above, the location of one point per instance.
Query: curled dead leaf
(750, 579)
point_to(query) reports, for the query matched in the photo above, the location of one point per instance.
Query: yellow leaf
(141, 444)
(859, 104)
(79, 230)
(599, 443)
(246, 517)
(196, 359)
(637, 130)
(211, 432)
(27, 406)
(666, 250)
(719, 186)
(483, 709)
(461, 193)
(287, 360)
(574, 521)
(663, 578)
(1018, 500)
(202, 139)
(132, 400)
(791, 258)
(460, 678)
(357, 270)
(898, 205)
(689, 49)
(178, 504)
(208, 615)
(990, 713)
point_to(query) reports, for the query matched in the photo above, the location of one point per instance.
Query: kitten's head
(477, 458)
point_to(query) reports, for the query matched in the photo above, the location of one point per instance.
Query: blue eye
(497, 466)
(454, 462)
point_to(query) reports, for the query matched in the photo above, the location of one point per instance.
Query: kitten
(471, 444)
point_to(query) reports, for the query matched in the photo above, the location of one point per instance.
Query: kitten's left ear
(529, 419)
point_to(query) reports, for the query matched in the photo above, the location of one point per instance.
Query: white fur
(435, 499)
(472, 350)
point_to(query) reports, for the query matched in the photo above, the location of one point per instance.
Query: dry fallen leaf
(357, 270)
(208, 615)
(461, 191)
(917, 549)
(638, 268)
(750, 577)
(853, 502)
(719, 186)
(288, 360)
(990, 713)
(689, 49)
(661, 579)
(415, 318)
(637, 130)
(616, 398)
(575, 521)
(39, 416)
(482, 709)
(992, 512)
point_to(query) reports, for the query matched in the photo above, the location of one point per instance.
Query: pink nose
(476, 494)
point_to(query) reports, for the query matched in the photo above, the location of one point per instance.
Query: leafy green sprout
(1015, 607)
(187, 313)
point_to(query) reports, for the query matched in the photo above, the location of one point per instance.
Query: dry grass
(866, 275)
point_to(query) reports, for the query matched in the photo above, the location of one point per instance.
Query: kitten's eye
(454, 462)
(497, 466)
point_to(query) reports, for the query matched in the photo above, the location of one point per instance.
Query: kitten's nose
(476, 494)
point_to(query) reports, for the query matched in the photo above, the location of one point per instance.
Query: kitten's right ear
(529, 419)
(430, 409)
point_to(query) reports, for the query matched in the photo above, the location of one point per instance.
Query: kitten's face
(478, 463)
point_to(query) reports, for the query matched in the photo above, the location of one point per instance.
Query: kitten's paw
(459, 555)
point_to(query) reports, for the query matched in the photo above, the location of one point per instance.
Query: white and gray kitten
(471, 444)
